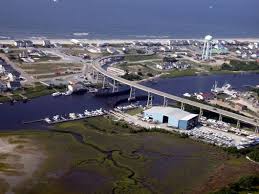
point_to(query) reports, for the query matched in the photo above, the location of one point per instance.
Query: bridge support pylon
(97, 77)
(220, 117)
(132, 95)
(165, 102)
(149, 100)
(238, 124)
(200, 114)
(93, 73)
(182, 106)
(104, 82)
(114, 87)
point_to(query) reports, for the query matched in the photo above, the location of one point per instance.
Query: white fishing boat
(87, 113)
(56, 94)
(56, 118)
(47, 120)
(72, 115)
(187, 95)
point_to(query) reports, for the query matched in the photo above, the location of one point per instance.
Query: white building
(166, 48)
(111, 50)
(11, 77)
(2, 69)
(94, 50)
(116, 71)
(75, 41)
(165, 66)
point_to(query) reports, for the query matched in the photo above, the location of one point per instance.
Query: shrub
(254, 155)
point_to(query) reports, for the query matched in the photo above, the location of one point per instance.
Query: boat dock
(62, 119)
(75, 116)
(78, 116)
(34, 121)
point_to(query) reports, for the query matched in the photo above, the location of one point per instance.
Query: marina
(209, 131)
(74, 116)
(129, 96)
(12, 115)
(79, 116)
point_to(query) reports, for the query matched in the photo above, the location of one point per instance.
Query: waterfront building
(76, 88)
(174, 117)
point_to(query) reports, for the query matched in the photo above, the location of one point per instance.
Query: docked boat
(187, 95)
(80, 115)
(92, 90)
(56, 94)
(87, 113)
(47, 120)
(56, 118)
(72, 115)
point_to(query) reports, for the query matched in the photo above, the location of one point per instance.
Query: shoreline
(118, 41)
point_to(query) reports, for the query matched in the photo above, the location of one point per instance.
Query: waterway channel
(13, 115)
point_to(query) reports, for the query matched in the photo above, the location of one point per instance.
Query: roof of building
(169, 111)
(189, 117)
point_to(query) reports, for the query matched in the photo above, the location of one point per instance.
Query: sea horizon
(136, 19)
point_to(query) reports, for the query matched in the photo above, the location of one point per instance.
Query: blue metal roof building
(175, 117)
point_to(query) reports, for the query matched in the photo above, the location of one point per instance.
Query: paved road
(29, 78)
(96, 65)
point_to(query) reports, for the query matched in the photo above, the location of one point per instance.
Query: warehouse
(174, 117)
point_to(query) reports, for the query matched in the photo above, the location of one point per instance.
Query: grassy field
(134, 111)
(177, 73)
(41, 68)
(100, 156)
(132, 58)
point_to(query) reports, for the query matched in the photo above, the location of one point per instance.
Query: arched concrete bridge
(97, 66)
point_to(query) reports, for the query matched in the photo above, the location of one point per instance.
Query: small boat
(87, 113)
(56, 118)
(80, 116)
(47, 120)
(56, 94)
(92, 90)
(187, 95)
(72, 115)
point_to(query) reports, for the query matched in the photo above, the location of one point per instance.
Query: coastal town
(32, 68)
(129, 97)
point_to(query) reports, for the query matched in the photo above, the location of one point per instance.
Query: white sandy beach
(118, 41)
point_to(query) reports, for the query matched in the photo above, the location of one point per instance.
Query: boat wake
(81, 34)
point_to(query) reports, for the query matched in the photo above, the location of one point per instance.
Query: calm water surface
(12, 116)
(129, 18)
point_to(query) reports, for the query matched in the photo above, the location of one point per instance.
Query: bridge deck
(229, 114)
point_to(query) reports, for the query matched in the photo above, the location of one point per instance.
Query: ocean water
(129, 18)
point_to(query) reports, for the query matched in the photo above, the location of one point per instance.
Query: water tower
(207, 48)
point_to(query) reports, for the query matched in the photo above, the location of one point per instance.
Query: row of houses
(170, 66)
(172, 63)
(29, 43)
(9, 78)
